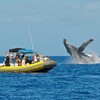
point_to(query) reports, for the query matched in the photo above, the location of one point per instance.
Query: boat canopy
(16, 49)
(26, 51)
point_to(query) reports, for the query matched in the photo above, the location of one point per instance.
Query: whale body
(78, 55)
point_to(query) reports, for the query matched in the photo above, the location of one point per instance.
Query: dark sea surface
(64, 82)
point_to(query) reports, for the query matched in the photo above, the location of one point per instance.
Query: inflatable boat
(43, 65)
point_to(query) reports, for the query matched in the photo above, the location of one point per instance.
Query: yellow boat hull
(42, 66)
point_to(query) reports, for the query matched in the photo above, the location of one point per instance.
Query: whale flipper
(84, 45)
(66, 43)
(70, 48)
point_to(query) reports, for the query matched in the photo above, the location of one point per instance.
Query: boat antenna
(31, 38)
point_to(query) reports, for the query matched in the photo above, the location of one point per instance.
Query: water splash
(90, 59)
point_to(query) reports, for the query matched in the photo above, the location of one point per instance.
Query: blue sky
(50, 21)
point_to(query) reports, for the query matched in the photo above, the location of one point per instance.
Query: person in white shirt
(23, 61)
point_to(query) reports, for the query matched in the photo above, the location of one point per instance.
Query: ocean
(64, 82)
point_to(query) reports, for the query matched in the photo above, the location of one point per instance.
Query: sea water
(64, 82)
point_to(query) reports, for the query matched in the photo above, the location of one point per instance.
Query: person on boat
(23, 56)
(12, 60)
(6, 61)
(24, 61)
(46, 58)
(41, 57)
(27, 61)
(18, 61)
(35, 58)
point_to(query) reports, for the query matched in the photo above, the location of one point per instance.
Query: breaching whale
(78, 55)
